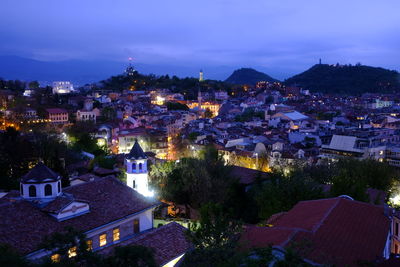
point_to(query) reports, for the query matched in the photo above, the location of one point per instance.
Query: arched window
(59, 186)
(133, 166)
(22, 189)
(140, 166)
(32, 191)
(47, 190)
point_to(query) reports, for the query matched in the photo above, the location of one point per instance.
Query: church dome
(40, 183)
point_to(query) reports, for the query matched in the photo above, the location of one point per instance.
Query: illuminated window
(115, 234)
(103, 240)
(89, 244)
(72, 252)
(55, 258)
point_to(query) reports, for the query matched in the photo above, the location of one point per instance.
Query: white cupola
(40, 183)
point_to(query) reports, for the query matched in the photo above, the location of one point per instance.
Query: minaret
(136, 170)
(199, 98)
(201, 76)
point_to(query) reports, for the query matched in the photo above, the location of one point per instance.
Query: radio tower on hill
(130, 70)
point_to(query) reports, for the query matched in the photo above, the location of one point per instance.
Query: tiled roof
(257, 236)
(86, 177)
(40, 173)
(56, 110)
(247, 176)
(58, 204)
(168, 242)
(339, 231)
(103, 171)
(23, 225)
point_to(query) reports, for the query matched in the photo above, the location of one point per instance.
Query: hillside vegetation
(347, 79)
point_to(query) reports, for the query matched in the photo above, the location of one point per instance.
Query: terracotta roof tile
(338, 231)
(23, 225)
(247, 176)
(168, 242)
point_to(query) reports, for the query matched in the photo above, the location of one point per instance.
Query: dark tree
(132, 256)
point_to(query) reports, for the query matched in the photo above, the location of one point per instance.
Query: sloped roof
(168, 242)
(338, 231)
(247, 176)
(56, 110)
(343, 143)
(40, 173)
(23, 225)
(136, 152)
(295, 115)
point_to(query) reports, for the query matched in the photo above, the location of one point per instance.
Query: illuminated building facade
(212, 106)
(57, 115)
(62, 87)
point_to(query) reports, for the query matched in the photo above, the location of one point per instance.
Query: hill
(347, 79)
(248, 76)
(79, 72)
(87, 71)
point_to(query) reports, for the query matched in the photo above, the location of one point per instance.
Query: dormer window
(140, 166)
(59, 186)
(32, 191)
(47, 190)
(65, 210)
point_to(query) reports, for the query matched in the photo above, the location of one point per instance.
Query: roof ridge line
(316, 227)
(292, 234)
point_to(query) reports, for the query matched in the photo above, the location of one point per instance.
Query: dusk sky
(281, 37)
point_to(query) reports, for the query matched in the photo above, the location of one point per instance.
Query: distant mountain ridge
(248, 76)
(347, 79)
(89, 71)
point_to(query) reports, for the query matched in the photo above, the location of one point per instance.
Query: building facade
(57, 115)
(62, 87)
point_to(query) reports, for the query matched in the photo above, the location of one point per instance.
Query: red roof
(56, 110)
(337, 231)
(23, 225)
(247, 176)
(168, 242)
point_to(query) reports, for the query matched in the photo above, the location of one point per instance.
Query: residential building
(108, 212)
(57, 115)
(62, 87)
